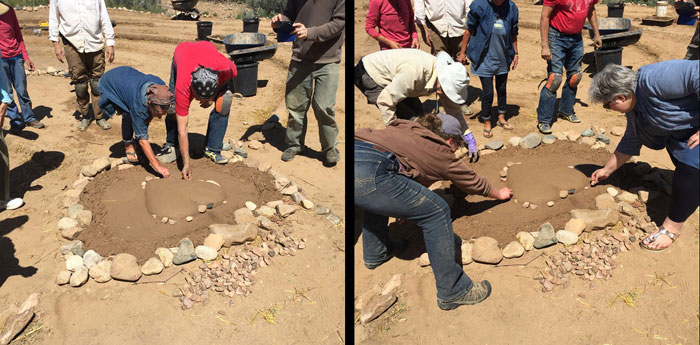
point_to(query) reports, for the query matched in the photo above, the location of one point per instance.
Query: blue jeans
(567, 52)
(382, 193)
(216, 129)
(14, 69)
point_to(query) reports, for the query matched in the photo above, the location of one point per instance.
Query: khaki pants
(85, 69)
(450, 45)
(4, 169)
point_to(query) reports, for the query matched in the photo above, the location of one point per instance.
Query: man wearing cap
(198, 72)
(14, 59)
(394, 79)
(312, 79)
(138, 98)
(80, 25)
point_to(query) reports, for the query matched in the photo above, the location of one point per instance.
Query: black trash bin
(204, 30)
(604, 57)
(251, 24)
(246, 82)
(616, 9)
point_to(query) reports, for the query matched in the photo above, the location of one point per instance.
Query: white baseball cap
(453, 78)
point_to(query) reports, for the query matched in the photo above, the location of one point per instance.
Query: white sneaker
(11, 204)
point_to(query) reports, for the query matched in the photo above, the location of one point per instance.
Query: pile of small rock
(594, 137)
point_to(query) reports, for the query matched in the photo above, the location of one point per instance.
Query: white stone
(250, 205)
(79, 277)
(206, 253)
(152, 266)
(423, 260)
(567, 237)
(74, 262)
(526, 240)
(612, 191)
(166, 256)
(513, 250)
(67, 223)
(91, 258)
(307, 204)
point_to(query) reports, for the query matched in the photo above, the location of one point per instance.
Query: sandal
(487, 133)
(652, 238)
(505, 125)
(132, 157)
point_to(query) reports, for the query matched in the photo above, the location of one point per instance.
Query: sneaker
(216, 157)
(332, 156)
(11, 204)
(226, 147)
(35, 124)
(479, 292)
(290, 153)
(466, 110)
(84, 124)
(104, 124)
(571, 118)
(167, 154)
(544, 128)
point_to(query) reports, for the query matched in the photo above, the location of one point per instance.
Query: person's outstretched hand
(504, 193)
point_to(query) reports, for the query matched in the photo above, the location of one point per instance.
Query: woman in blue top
(492, 38)
(661, 103)
(5, 202)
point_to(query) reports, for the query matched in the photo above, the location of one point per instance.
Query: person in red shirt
(14, 59)
(391, 23)
(561, 23)
(198, 72)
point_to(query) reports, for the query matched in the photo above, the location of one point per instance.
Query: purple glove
(471, 145)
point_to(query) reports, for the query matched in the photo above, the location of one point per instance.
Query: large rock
(206, 253)
(466, 249)
(530, 141)
(243, 215)
(290, 190)
(284, 210)
(307, 204)
(494, 145)
(513, 250)
(72, 233)
(79, 277)
(617, 131)
(603, 138)
(627, 196)
(604, 201)
(101, 164)
(214, 241)
(165, 256)
(513, 141)
(376, 306)
(392, 285)
(124, 267)
(74, 262)
(234, 234)
(267, 224)
(486, 251)
(588, 141)
(185, 252)
(265, 211)
(62, 278)
(526, 240)
(546, 238)
(73, 210)
(91, 258)
(101, 272)
(84, 218)
(89, 171)
(567, 237)
(575, 226)
(573, 136)
(587, 133)
(67, 223)
(75, 247)
(596, 219)
(152, 266)
(549, 139)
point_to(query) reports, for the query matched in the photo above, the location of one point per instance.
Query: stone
(74, 262)
(80, 183)
(549, 139)
(172, 221)
(124, 267)
(392, 285)
(79, 277)
(486, 251)
(164, 220)
(165, 256)
(550, 203)
(603, 139)
(503, 173)
(234, 234)
(466, 249)
(67, 223)
(563, 194)
(189, 218)
(513, 250)
(307, 204)
(84, 218)
(617, 131)
(513, 141)
(334, 219)
(101, 272)
(575, 226)
(185, 252)
(567, 237)
(559, 135)
(322, 210)
(250, 205)
(494, 145)
(627, 196)
(546, 238)
(206, 253)
(281, 183)
(588, 141)
(264, 166)
(215, 241)
(72, 248)
(596, 219)
(423, 260)
(202, 208)
(89, 171)
(243, 215)
(101, 164)
(274, 204)
(526, 204)
(16, 320)
(73, 210)
(612, 191)
(91, 258)
(297, 197)
(533, 206)
(573, 136)
(597, 145)
(367, 296)
(530, 141)
(72, 197)
(255, 145)
(62, 278)
(376, 306)
(267, 224)
(152, 266)
(526, 240)
(604, 201)
(587, 133)
(265, 211)
(285, 211)
(643, 195)
(72, 233)
(241, 152)
(290, 190)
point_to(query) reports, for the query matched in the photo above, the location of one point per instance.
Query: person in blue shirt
(662, 105)
(492, 41)
(139, 98)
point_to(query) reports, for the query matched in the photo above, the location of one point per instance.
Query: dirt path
(518, 312)
(44, 161)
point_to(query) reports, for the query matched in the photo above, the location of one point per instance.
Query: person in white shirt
(442, 23)
(80, 24)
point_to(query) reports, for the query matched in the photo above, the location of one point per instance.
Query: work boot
(544, 128)
(35, 124)
(84, 124)
(216, 157)
(290, 153)
(167, 154)
(479, 292)
(332, 156)
(103, 123)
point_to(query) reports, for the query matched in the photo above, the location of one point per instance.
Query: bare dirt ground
(518, 312)
(44, 162)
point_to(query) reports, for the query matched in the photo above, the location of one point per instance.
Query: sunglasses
(607, 104)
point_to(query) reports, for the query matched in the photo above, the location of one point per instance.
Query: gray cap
(450, 125)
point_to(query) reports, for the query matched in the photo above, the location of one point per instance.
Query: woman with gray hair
(661, 103)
